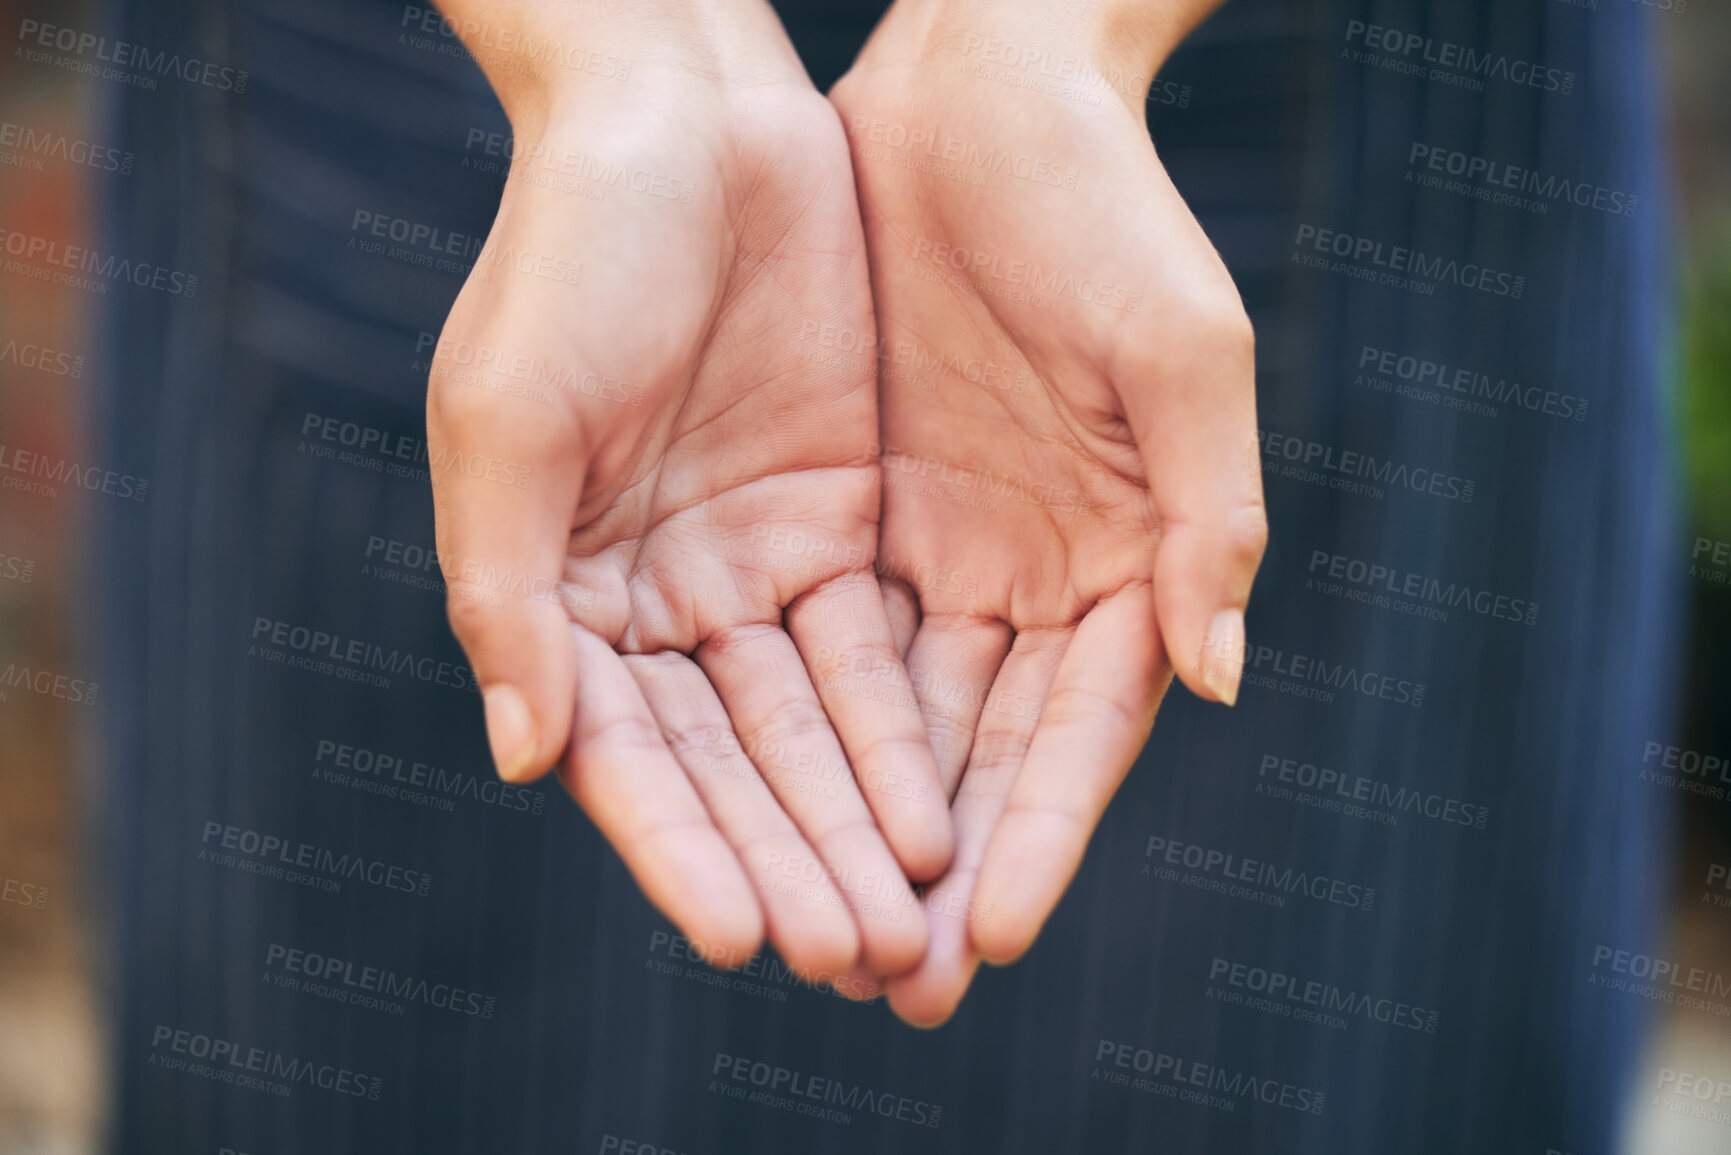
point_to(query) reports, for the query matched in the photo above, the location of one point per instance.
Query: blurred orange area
(51, 1069)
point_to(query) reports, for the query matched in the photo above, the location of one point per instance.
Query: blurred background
(52, 1046)
(52, 1059)
(1698, 104)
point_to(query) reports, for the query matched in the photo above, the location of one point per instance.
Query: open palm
(1070, 481)
(701, 514)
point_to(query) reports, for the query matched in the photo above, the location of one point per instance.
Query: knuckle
(861, 661)
(447, 402)
(1074, 705)
(470, 616)
(1233, 327)
(1246, 535)
(1205, 332)
(999, 750)
(702, 744)
(794, 721)
(1219, 322)
(454, 409)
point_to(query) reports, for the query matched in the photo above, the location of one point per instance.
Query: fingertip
(1204, 642)
(691, 876)
(525, 666)
(927, 998)
(856, 984)
(892, 943)
(919, 1006)
(1223, 655)
(925, 845)
(1004, 930)
(999, 946)
(733, 930)
(823, 946)
(511, 733)
(907, 796)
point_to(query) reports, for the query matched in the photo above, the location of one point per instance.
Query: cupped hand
(1071, 491)
(657, 508)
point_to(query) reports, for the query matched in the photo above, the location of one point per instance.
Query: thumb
(505, 487)
(1191, 403)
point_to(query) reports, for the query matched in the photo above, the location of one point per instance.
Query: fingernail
(1223, 655)
(510, 731)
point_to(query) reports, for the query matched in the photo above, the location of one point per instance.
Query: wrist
(1120, 44)
(541, 56)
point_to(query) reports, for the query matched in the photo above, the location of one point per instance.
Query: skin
(701, 646)
(1072, 508)
(1090, 470)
